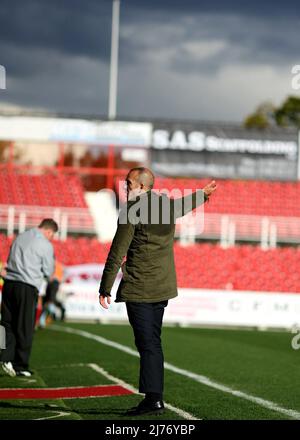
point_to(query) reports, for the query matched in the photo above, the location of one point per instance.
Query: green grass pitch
(262, 365)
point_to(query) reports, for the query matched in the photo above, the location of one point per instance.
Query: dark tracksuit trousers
(18, 311)
(50, 297)
(146, 321)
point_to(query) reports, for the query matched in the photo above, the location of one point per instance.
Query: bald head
(143, 176)
(139, 179)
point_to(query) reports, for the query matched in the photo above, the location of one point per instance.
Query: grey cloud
(26, 62)
(81, 27)
(78, 86)
(71, 27)
(264, 8)
(56, 53)
(246, 41)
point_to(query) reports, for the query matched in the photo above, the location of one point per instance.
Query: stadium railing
(18, 218)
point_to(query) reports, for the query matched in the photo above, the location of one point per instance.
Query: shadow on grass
(50, 408)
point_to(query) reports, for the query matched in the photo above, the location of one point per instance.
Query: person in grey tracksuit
(30, 261)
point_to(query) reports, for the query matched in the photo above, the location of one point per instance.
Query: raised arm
(184, 205)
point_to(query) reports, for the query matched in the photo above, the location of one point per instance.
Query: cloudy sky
(183, 59)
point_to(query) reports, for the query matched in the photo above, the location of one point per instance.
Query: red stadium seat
(206, 266)
(244, 197)
(41, 190)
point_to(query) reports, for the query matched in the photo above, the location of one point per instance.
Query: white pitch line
(114, 379)
(96, 338)
(197, 377)
(60, 414)
(95, 367)
(180, 412)
(210, 383)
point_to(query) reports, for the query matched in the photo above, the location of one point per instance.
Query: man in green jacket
(145, 235)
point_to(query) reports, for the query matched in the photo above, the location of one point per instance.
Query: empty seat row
(239, 197)
(41, 190)
(206, 266)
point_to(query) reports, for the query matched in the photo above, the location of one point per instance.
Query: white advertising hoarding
(200, 307)
(81, 297)
(234, 308)
(44, 129)
(191, 307)
(205, 307)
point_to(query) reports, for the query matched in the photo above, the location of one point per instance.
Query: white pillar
(264, 236)
(273, 235)
(64, 227)
(56, 218)
(224, 231)
(10, 221)
(113, 77)
(22, 222)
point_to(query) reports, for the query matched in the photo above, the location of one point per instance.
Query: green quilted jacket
(145, 236)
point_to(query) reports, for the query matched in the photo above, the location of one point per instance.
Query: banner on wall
(80, 294)
(224, 151)
(209, 307)
(191, 307)
(235, 308)
(45, 129)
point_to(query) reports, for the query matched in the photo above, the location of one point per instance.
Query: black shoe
(147, 407)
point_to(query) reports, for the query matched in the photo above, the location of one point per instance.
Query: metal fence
(70, 220)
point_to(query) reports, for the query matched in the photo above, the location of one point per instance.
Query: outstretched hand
(210, 188)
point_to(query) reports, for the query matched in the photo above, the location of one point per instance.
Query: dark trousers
(51, 291)
(146, 321)
(18, 309)
(50, 298)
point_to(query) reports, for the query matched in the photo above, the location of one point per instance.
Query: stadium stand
(208, 266)
(245, 197)
(246, 204)
(243, 267)
(28, 198)
(41, 190)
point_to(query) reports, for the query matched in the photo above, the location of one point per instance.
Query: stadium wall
(191, 307)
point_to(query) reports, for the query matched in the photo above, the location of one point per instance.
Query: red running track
(63, 393)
